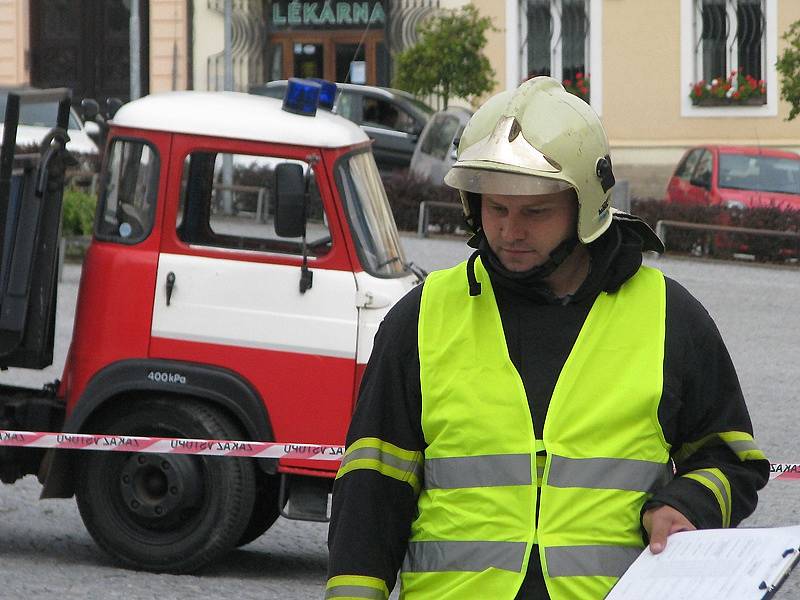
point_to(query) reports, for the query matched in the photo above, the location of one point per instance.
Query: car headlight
(733, 204)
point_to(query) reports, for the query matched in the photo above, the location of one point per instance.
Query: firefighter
(530, 419)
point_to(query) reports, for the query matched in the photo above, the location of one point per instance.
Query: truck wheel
(265, 509)
(166, 512)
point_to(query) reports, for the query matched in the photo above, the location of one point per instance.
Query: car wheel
(166, 512)
(265, 509)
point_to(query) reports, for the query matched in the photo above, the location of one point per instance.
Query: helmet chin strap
(535, 275)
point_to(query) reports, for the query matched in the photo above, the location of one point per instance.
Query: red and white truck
(244, 254)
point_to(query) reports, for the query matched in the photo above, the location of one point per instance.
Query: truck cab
(244, 254)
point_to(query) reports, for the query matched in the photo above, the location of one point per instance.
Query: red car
(736, 177)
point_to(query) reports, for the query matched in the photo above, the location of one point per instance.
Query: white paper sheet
(712, 564)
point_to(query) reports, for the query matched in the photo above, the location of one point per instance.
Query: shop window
(276, 62)
(228, 202)
(383, 60)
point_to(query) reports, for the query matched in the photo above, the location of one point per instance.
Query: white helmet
(537, 139)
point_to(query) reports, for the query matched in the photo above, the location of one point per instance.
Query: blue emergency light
(302, 97)
(327, 96)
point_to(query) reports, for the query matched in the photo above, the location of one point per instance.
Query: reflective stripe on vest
(464, 556)
(515, 469)
(478, 471)
(605, 451)
(590, 561)
(608, 473)
(562, 561)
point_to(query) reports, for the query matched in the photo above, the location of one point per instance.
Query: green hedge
(725, 244)
(78, 213)
(405, 193)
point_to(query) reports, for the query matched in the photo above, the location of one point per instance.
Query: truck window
(227, 201)
(129, 188)
(370, 216)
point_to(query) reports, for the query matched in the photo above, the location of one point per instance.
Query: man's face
(523, 230)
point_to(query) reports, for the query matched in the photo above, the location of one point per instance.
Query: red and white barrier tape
(784, 471)
(163, 445)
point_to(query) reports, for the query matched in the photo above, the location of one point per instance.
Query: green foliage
(448, 59)
(78, 212)
(789, 69)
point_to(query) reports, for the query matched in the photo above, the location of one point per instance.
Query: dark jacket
(372, 514)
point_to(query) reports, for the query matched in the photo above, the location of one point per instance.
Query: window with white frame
(556, 41)
(730, 46)
(722, 36)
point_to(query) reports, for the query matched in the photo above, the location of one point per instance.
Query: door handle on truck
(170, 285)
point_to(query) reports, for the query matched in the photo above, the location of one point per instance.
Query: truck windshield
(369, 215)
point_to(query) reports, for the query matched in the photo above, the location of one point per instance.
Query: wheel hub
(154, 486)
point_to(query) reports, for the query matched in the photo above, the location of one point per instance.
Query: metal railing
(424, 214)
(262, 211)
(661, 227)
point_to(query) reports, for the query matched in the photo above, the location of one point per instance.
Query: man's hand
(661, 522)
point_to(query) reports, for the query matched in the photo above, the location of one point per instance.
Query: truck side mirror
(112, 106)
(90, 109)
(290, 209)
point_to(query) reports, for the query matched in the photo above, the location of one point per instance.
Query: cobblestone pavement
(46, 552)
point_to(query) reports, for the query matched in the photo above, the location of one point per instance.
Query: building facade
(338, 40)
(86, 45)
(640, 60)
(635, 61)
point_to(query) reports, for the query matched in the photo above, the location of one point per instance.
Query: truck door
(31, 191)
(228, 290)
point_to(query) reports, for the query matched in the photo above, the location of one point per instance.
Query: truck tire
(265, 509)
(166, 512)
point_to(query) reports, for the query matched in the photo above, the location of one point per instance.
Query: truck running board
(305, 498)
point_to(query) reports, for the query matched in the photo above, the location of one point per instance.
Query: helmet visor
(483, 181)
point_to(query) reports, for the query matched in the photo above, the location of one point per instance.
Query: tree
(448, 59)
(789, 68)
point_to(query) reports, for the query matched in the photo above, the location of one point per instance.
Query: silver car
(436, 149)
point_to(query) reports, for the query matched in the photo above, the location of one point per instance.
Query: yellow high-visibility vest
(606, 452)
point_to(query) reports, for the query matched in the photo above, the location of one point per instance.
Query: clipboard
(714, 564)
(792, 555)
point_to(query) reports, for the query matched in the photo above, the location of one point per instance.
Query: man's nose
(514, 229)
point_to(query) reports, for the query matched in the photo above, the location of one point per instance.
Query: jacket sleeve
(719, 467)
(376, 488)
